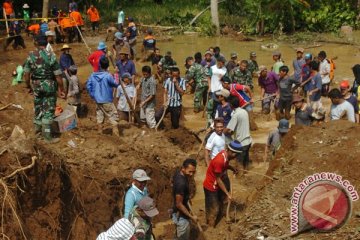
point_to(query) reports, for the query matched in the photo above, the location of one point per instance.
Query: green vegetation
(249, 16)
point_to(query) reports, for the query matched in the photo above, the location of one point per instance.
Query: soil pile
(333, 147)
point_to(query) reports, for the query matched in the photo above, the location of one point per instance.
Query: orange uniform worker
(7, 5)
(67, 28)
(94, 17)
(34, 29)
(77, 19)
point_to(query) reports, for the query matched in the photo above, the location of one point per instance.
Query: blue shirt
(126, 67)
(305, 73)
(314, 83)
(66, 61)
(132, 197)
(224, 112)
(173, 95)
(43, 28)
(100, 86)
(297, 64)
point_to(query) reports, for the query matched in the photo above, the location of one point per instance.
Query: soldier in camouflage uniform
(45, 74)
(165, 65)
(253, 66)
(197, 73)
(242, 75)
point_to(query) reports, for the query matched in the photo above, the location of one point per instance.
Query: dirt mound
(333, 147)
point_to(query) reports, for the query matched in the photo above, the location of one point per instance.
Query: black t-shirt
(180, 187)
(155, 59)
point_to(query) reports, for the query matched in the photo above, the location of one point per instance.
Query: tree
(45, 9)
(215, 15)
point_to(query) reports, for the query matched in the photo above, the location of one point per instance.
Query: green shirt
(42, 65)
(253, 66)
(166, 65)
(277, 66)
(243, 78)
(198, 73)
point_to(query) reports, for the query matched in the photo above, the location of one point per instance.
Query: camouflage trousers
(44, 100)
(200, 96)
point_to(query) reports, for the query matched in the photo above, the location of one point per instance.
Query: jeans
(182, 227)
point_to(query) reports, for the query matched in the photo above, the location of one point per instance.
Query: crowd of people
(222, 89)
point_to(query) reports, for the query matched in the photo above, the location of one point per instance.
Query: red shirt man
(216, 183)
(242, 92)
(94, 58)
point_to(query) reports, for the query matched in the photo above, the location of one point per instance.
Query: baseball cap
(276, 53)
(344, 84)
(140, 175)
(223, 92)
(128, 76)
(283, 126)
(253, 54)
(226, 79)
(148, 206)
(308, 56)
(208, 52)
(235, 146)
(233, 54)
(118, 35)
(262, 68)
(221, 59)
(300, 50)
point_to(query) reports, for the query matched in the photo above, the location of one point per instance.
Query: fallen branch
(259, 174)
(6, 106)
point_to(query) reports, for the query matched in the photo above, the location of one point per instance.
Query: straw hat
(65, 46)
(125, 50)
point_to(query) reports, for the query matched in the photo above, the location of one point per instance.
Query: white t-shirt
(325, 71)
(216, 75)
(215, 144)
(239, 124)
(337, 110)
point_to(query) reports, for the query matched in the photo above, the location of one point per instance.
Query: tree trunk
(215, 15)
(45, 9)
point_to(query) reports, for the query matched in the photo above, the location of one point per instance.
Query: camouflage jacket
(253, 66)
(243, 78)
(143, 227)
(42, 65)
(166, 65)
(198, 73)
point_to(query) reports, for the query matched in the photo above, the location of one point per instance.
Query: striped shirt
(123, 229)
(173, 95)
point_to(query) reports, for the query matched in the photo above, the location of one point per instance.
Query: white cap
(140, 175)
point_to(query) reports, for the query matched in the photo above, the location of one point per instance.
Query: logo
(321, 201)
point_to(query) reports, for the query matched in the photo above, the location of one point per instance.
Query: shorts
(182, 227)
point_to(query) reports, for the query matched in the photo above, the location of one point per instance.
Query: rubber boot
(46, 132)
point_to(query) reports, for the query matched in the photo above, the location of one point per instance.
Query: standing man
(15, 35)
(78, 22)
(314, 88)
(123, 105)
(9, 10)
(269, 88)
(232, 63)
(97, 55)
(197, 74)
(242, 75)
(241, 92)
(324, 72)
(208, 60)
(239, 125)
(253, 66)
(285, 94)
(217, 184)
(126, 65)
(50, 37)
(137, 191)
(298, 63)
(278, 62)
(165, 64)
(148, 93)
(216, 141)
(181, 194)
(174, 89)
(94, 18)
(304, 114)
(100, 87)
(66, 59)
(347, 95)
(214, 81)
(149, 44)
(275, 138)
(45, 74)
(223, 109)
(305, 74)
(340, 108)
(141, 216)
(120, 21)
